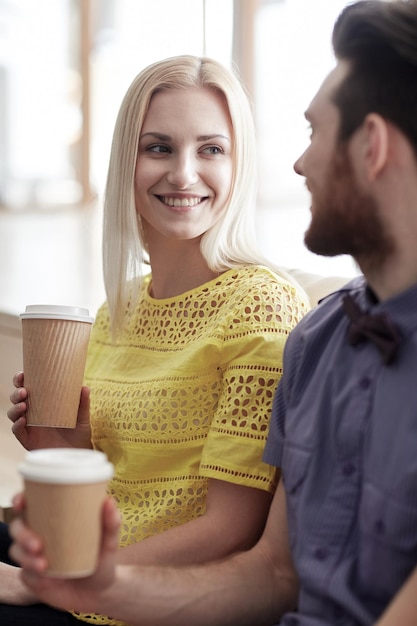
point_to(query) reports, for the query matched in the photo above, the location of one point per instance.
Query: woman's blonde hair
(230, 242)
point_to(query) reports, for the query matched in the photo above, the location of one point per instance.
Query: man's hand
(81, 594)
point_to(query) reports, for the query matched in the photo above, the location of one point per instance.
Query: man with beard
(341, 537)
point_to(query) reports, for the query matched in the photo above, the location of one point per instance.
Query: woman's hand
(81, 594)
(34, 437)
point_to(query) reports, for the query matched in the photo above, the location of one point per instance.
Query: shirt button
(364, 383)
(379, 527)
(348, 469)
(321, 554)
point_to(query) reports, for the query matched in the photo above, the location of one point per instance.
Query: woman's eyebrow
(160, 136)
(214, 136)
(163, 137)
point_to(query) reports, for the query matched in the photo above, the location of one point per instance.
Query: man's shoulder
(319, 324)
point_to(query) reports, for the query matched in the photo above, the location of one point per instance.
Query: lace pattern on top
(186, 393)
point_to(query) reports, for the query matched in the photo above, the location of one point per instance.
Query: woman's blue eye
(213, 150)
(158, 148)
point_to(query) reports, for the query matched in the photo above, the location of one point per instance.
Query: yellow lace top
(185, 395)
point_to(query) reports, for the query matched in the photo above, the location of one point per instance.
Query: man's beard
(346, 220)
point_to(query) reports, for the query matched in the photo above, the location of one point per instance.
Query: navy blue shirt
(344, 432)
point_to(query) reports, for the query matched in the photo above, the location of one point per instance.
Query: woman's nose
(183, 172)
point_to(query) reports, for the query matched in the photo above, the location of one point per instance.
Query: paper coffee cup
(65, 489)
(55, 342)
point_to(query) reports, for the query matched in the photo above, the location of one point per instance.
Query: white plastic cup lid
(66, 466)
(55, 311)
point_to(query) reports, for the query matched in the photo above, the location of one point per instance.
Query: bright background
(41, 119)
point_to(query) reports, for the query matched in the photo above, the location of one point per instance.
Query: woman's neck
(176, 271)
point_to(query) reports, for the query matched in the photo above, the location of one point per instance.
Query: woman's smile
(180, 202)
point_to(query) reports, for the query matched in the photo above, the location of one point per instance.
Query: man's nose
(298, 165)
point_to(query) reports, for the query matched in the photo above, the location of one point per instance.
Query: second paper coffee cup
(55, 342)
(65, 489)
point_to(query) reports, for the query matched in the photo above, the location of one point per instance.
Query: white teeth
(180, 202)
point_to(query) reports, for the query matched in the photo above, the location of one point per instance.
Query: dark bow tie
(377, 328)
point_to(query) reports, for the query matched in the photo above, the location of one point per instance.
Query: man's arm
(257, 586)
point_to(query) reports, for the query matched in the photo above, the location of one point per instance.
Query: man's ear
(376, 139)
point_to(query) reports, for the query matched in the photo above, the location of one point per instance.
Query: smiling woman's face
(184, 167)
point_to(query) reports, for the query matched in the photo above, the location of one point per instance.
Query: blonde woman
(186, 353)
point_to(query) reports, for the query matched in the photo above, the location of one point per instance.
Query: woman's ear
(376, 142)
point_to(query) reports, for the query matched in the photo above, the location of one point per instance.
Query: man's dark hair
(379, 40)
